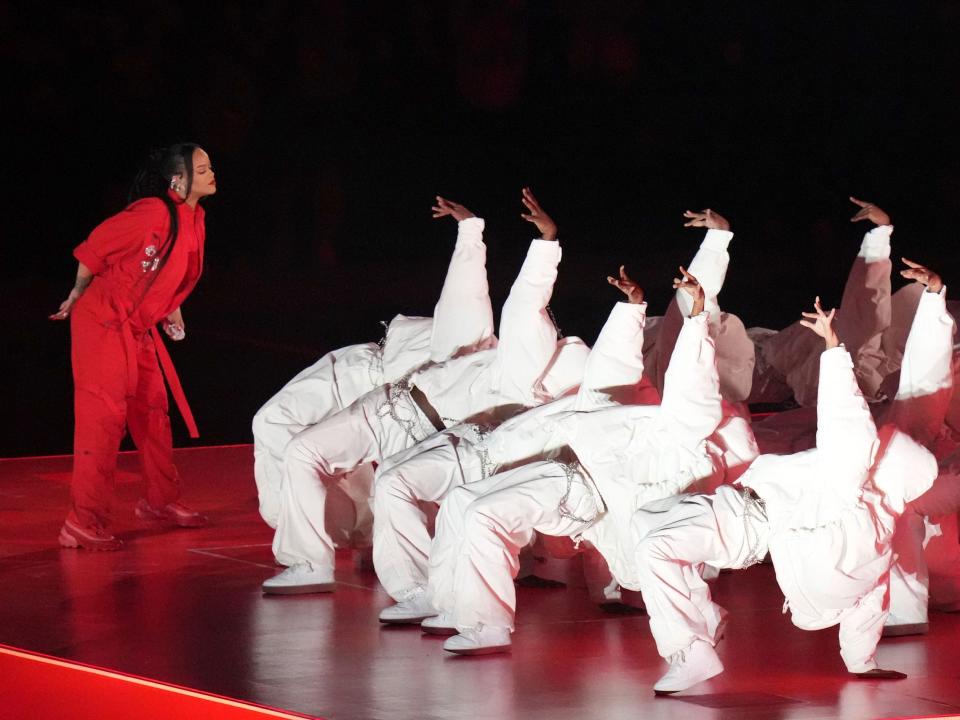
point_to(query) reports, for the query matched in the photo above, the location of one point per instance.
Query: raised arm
(865, 305)
(926, 380)
(615, 365)
(528, 337)
(691, 402)
(845, 430)
(710, 263)
(709, 266)
(463, 316)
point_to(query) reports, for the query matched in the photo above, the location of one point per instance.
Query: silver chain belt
(413, 426)
(572, 470)
(753, 510)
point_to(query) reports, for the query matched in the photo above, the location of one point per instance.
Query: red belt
(173, 382)
(169, 372)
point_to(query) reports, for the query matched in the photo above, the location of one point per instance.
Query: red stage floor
(185, 607)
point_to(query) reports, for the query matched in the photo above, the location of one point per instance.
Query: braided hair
(153, 180)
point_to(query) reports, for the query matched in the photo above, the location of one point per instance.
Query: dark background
(332, 125)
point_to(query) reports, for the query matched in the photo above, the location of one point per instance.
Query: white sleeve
(615, 364)
(846, 434)
(463, 316)
(865, 307)
(926, 378)
(709, 267)
(691, 402)
(528, 337)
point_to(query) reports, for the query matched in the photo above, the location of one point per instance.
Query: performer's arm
(113, 238)
(865, 306)
(845, 429)
(926, 380)
(463, 316)
(528, 337)
(84, 276)
(615, 364)
(709, 266)
(691, 402)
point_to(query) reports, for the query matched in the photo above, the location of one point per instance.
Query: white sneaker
(410, 611)
(299, 579)
(695, 664)
(480, 641)
(441, 624)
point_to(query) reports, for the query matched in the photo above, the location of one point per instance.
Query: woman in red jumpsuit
(135, 271)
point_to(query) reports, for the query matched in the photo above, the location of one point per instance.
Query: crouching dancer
(484, 385)
(615, 460)
(826, 515)
(462, 323)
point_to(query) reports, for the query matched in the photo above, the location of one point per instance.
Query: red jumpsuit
(116, 374)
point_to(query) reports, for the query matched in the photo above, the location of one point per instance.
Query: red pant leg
(148, 418)
(100, 407)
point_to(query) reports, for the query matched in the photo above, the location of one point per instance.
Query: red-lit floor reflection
(185, 607)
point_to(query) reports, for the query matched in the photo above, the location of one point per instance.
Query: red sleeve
(122, 233)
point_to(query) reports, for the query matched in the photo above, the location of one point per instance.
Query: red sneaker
(91, 538)
(174, 512)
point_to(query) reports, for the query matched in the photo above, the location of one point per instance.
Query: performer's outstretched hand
(627, 286)
(446, 207)
(924, 275)
(64, 312)
(822, 324)
(706, 218)
(869, 211)
(536, 215)
(690, 285)
(84, 278)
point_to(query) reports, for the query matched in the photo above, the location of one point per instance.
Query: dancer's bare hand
(821, 323)
(706, 218)
(536, 215)
(690, 285)
(67, 305)
(627, 286)
(869, 211)
(916, 271)
(446, 207)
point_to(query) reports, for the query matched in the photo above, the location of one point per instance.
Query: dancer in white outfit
(617, 459)
(827, 516)
(466, 454)
(919, 409)
(479, 386)
(904, 364)
(462, 322)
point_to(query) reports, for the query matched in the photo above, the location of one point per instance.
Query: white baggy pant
(674, 536)
(401, 537)
(727, 531)
(369, 430)
(330, 384)
(910, 575)
(401, 540)
(481, 528)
